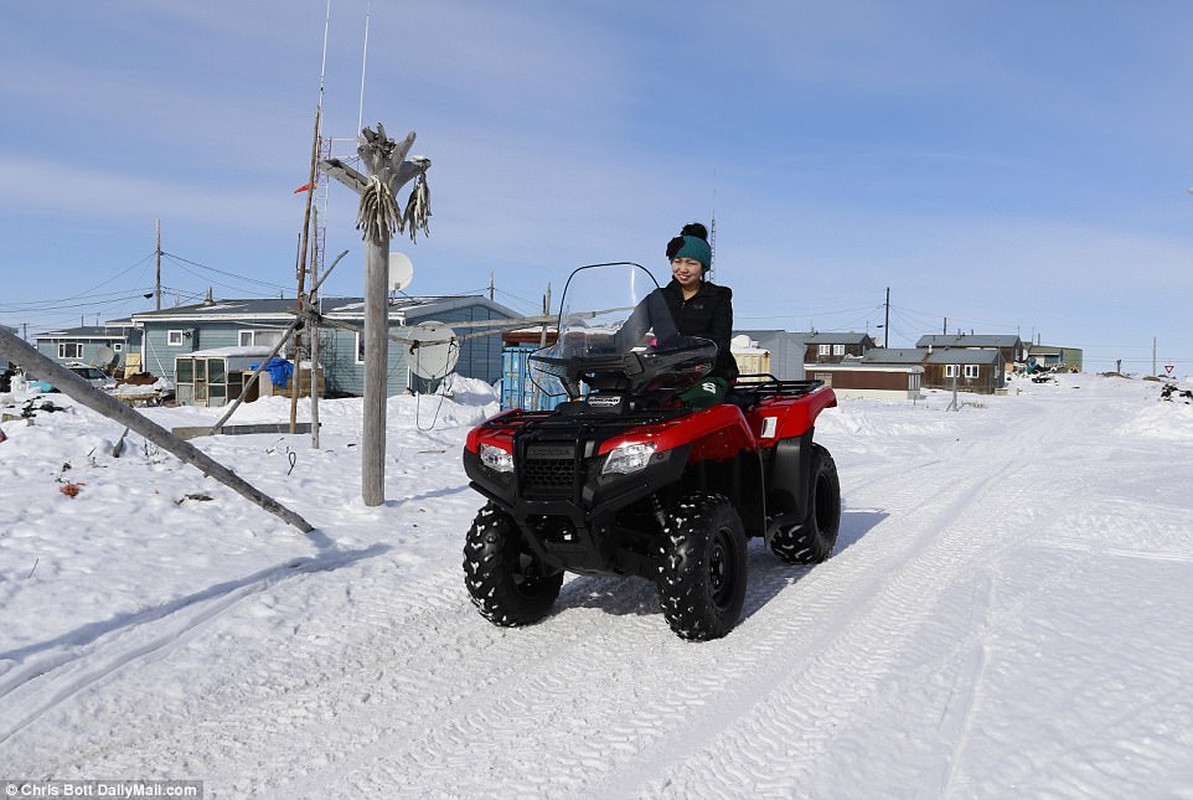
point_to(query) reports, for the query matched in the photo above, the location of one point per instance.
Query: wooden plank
(189, 432)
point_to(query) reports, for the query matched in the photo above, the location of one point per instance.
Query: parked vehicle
(621, 479)
(96, 377)
(92, 375)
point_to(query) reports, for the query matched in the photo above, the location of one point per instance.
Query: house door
(200, 381)
(217, 388)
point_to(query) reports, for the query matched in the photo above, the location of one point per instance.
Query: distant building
(824, 347)
(856, 378)
(1056, 358)
(261, 323)
(786, 350)
(101, 346)
(903, 372)
(1012, 348)
(978, 370)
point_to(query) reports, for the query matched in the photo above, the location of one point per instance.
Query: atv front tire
(813, 540)
(507, 582)
(702, 582)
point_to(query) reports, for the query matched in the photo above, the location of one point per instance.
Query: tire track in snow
(836, 668)
(652, 719)
(91, 655)
(533, 713)
(945, 542)
(593, 700)
(960, 527)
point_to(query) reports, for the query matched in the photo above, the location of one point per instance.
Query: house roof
(85, 332)
(963, 355)
(832, 337)
(861, 365)
(894, 355)
(280, 308)
(969, 340)
(921, 355)
(1051, 348)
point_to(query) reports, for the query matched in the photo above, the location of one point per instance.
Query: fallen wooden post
(80, 390)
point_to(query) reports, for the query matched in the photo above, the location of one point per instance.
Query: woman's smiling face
(687, 272)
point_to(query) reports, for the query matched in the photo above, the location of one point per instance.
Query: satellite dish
(105, 355)
(401, 271)
(432, 351)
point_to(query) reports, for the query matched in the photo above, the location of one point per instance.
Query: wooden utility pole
(157, 286)
(302, 274)
(378, 218)
(886, 325)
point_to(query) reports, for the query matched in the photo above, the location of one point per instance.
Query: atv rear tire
(507, 582)
(702, 583)
(813, 540)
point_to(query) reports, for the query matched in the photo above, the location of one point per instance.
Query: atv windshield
(616, 335)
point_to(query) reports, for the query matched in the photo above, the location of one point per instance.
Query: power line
(180, 261)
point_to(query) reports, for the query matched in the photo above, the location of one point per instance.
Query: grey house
(1012, 348)
(261, 323)
(786, 351)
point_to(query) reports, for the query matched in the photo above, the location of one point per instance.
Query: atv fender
(788, 495)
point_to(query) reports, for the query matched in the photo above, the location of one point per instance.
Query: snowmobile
(621, 479)
(1170, 390)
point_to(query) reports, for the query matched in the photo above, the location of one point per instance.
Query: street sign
(1169, 368)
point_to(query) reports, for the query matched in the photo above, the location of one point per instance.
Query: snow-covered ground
(1008, 613)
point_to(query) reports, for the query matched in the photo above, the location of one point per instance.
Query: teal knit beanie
(697, 248)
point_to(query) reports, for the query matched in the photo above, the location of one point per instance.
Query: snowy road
(1007, 613)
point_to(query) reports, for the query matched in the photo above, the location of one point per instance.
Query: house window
(838, 349)
(175, 338)
(952, 370)
(70, 350)
(252, 338)
(971, 371)
(117, 347)
(825, 349)
(360, 348)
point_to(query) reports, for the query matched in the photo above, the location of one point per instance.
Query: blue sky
(1002, 167)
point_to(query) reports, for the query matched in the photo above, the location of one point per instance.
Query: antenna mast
(364, 58)
(306, 236)
(712, 229)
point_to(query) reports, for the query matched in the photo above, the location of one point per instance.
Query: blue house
(223, 327)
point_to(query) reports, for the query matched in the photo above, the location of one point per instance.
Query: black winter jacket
(708, 313)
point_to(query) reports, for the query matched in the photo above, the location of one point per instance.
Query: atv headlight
(496, 459)
(626, 459)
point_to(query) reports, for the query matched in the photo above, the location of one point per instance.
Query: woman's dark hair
(691, 229)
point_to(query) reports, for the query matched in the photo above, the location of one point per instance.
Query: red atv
(621, 479)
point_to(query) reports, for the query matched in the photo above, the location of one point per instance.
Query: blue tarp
(279, 370)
